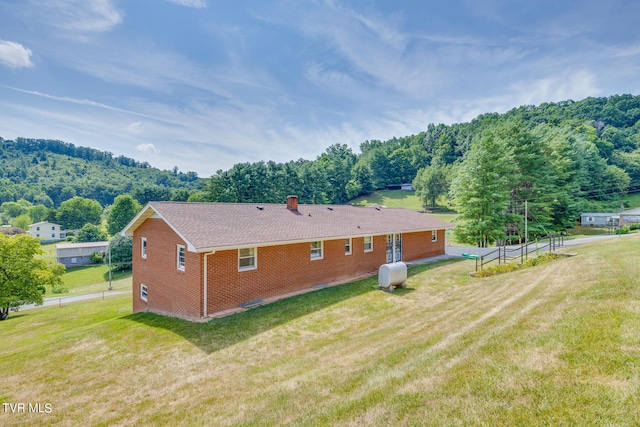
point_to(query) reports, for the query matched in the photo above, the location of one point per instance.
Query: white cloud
(196, 4)
(147, 148)
(134, 128)
(14, 55)
(81, 17)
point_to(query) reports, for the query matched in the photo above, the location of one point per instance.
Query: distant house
(76, 254)
(595, 219)
(47, 231)
(630, 217)
(404, 187)
(192, 260)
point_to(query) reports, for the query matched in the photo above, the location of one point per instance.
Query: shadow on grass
(117, 274)
(218, 334)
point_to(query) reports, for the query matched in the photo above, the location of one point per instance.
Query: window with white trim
(143, 292)
(143, 247)
(434, 235)
(247, 259)
(368, 243)
(180, 257)
(316, 250)
(348, 245)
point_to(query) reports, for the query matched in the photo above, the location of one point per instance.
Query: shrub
(622, 230)
(634, 227)
(59, 288)
(96, 257)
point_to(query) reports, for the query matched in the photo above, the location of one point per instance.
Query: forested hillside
(49, 172)
(560, 158)
(557, 158)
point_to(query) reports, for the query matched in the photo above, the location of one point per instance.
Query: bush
(634, 227)
(59, 288)
(42, 289)
(96, 257)
(508, 268)
(622, 230)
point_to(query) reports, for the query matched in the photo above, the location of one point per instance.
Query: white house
(47, 231)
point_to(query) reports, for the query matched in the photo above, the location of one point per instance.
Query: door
(389, 248)
(394, 247)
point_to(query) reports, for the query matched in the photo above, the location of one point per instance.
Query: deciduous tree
(22, 275)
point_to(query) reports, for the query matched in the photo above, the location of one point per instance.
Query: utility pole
(526, 225)
(110, 284)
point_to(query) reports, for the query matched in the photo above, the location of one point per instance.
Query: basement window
(180, 257)
(247, 259)
(143, 292)
(316, 250)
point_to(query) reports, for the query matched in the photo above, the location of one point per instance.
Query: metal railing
(506, 254)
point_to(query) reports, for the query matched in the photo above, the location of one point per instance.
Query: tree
(431, 182)
(38, 213)
(21, 275)
(481, 191)
(90, 233)
(78, 211)
(123, 210)
(121, 248)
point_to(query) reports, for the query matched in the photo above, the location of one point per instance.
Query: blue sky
(204, 84)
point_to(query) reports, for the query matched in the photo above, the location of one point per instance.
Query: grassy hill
(552, 344)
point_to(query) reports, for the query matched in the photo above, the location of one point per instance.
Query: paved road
(459, 250)
(74, 298)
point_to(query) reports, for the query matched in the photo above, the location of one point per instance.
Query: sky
(205, 84)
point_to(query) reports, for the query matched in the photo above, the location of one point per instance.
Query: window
(143, 247)
(53, 234)
(434, 235)
(247, 259)
(143, 292)
(37, 228)
(347, 246)
(180, 258)
(53, 228)
(368, 244)
(316, 250)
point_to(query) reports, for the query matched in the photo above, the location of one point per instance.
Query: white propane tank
(392, 275)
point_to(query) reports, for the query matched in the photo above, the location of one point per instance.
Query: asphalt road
(491, 252)
(60, 301)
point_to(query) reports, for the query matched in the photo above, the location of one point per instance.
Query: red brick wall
(170, 291)
(419, 245)
(288, 268)
(281, 269)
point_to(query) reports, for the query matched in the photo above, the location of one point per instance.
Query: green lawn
(402, 199)
(556, 344)
(87, 279)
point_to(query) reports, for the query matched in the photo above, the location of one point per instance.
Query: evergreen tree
(481, 191)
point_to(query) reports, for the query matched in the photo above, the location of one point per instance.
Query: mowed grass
(556, 344)
(400, 199)
(87, 279)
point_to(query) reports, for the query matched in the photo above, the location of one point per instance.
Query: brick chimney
(292, 203)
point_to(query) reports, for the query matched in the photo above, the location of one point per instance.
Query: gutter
(204, 285)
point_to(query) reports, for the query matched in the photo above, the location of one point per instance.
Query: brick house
(192, 260)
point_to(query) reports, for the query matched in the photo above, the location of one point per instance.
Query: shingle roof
(209, 226)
